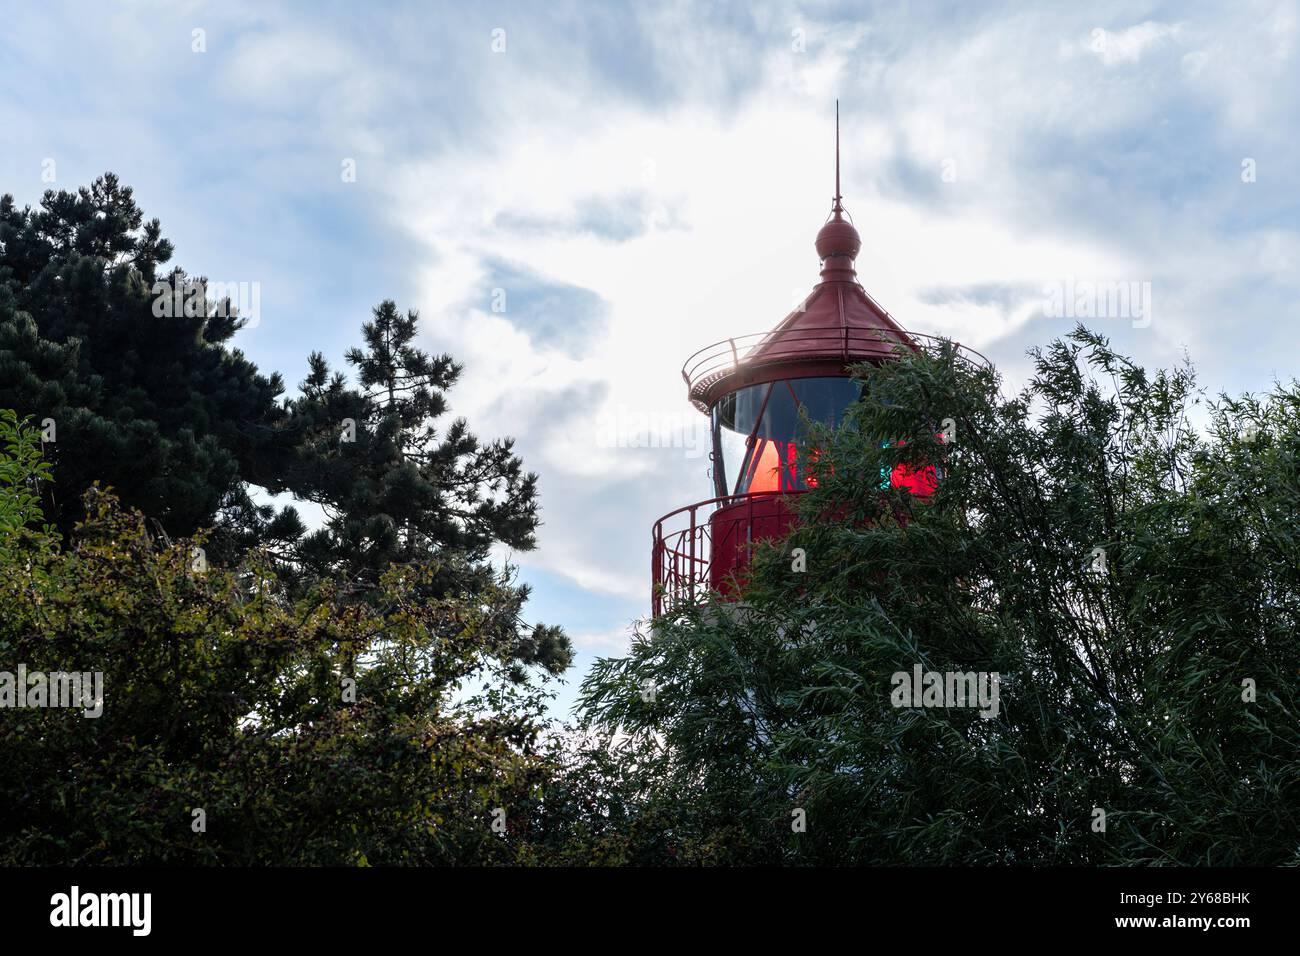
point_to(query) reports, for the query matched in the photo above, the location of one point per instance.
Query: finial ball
(838, 238)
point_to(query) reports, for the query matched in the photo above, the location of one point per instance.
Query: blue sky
(576, 210)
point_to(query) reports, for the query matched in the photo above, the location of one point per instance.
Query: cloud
(301, 69)
(1006, 296)
(552, 314)
(569, 194)
(615, 218)
(646, 179)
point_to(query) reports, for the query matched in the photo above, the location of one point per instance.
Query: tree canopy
(1109, 554)
(367, 692)
(134, 379)
(316, 730)
(1132, 580)
(163, 409)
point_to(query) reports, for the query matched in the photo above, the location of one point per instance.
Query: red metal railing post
(690, 564)
(656, 569)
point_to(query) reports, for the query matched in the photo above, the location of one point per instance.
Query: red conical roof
(837, 311)
(836, 326)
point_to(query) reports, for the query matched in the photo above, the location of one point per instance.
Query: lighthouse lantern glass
(756, 431)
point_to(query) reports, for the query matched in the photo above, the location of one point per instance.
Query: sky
(577, 196)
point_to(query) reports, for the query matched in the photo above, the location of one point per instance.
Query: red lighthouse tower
(753, 388)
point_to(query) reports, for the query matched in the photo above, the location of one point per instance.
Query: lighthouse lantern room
(753, 388)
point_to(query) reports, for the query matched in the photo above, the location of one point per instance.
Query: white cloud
(753, 188)
(1106, 156)
(747, 188)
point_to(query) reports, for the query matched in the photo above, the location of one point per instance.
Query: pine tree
(396, 488)
(160, 408)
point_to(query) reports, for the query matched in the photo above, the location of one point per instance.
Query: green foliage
(162, 410)
(1134, 581)
(226, 680)
(222, 694)
(22, 469)
(1121, 683)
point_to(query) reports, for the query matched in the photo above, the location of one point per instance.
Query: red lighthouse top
(759, 391)
(837, 325)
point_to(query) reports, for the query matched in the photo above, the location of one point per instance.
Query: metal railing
(819, 343)
(682, 557)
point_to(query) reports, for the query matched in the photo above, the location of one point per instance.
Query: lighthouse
(753, 388)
